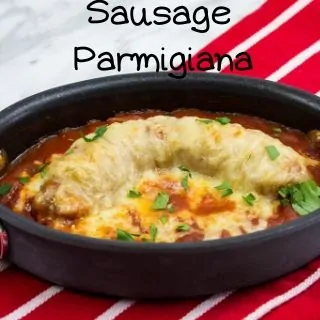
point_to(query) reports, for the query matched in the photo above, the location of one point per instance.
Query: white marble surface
(37, 38)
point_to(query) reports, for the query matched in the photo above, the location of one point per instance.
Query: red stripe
(71, 305)
(306, 76)
(168, 310)
(304, 306)
(246, 301)
(17, 289)
(246, 27)
(287, 41)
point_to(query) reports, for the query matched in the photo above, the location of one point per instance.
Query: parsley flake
(161, 202)
(5, 189)
(24, 180)
(185, 183)
(225, 189)
(185, 180)
(183, 227)
(43, 170)
(133, 194)
(124, 235)
(273, 152)
(249, 199)
(304, 197)
(184, 169)
(205, 121)
(164, 219)
(223, 120)
(99, 132)
(226, 192)
(153, 232)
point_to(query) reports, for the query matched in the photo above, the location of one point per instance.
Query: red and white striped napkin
(283, 38)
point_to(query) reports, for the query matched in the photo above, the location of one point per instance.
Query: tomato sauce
(285, 213)
(61, 142)
(210, 204)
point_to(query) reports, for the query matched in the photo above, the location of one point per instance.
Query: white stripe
(295, 62)
(205, 306)
(32, 304)
(116, 309)
(265, 31)
(3, 265)
(318, 93)
(279, 300)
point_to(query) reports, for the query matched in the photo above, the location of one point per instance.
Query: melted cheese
(89, 184)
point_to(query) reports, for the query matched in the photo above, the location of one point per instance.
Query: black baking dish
(147, 270)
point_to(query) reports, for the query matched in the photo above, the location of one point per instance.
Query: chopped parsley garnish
(153, 232)
(226, 192)
(273, 152)
(223, 186)
(133, 194)
(225, 189)
(42, 167)
(223, 120)
(249, 199)
(43, 170)
(304, 197)
(205, 121)
(185, 183)
(164, 219)
(185, 180)
(161, 202)
(184, 169)
(99, 132)
(24, 180)
(284, 192)
(183, 227)
(124, 235)
(135, 234)
(284, 202)
(5, 189)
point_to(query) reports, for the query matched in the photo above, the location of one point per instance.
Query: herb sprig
(249, 199)
(304, 197)
(124, 235)
(5, 189)
(225, 189)
(221, 120)
(273, 152)
(99, 132)
(185, 180)
(161, 201)
(133, 194)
